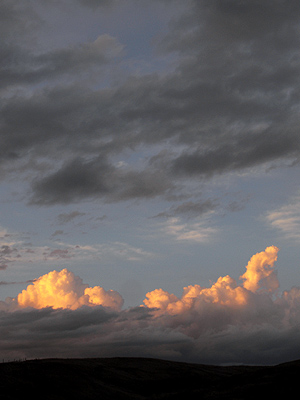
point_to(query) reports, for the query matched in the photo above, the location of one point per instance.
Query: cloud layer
(58, 315)
(228, 102)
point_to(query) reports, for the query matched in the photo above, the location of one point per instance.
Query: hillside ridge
(142, 378)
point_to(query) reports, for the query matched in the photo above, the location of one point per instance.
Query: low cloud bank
(58, 315)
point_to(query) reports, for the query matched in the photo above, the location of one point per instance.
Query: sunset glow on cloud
(65, 290)
(260, 274)
(226, 322)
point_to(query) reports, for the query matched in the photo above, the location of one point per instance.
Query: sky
(149, 179)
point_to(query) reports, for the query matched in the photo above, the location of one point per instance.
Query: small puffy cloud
(160, 299)
(98, 296)
(65, 290)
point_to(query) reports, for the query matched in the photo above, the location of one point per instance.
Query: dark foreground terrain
(140, 378)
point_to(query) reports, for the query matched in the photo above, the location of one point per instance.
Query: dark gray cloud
(214, 336)
(64, 218)
(230, 102)
(15, 283)
(241, 154)
(190, 209)
(79, 179)
(96, 3)
(72, 182)
(8, 253)
(19, 67)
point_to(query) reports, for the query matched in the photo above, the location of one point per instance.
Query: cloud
(9, 253)
(79, 179)
(237, 154)
(65, 290)
(190, 209)
(189, 231)
(96, 3)
(25, 68)
(16, 252)
(58, 232)
(57, 253)
(228, 103)
(15, 283)
(286, 219)
(58, 315)
(259, 275)
(6, 253)
(64, 218)
(260, 272)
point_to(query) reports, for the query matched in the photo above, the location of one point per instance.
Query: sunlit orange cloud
(260, 272)
(65, 290)
(260, 276)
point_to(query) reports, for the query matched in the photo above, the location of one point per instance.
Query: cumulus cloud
(225, 292)
(65, 290)
(260, 272)
(225, 323)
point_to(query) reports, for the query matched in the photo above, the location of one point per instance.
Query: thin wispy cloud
(190, 232)
(68, 217)
(19, 252)
(286, 219)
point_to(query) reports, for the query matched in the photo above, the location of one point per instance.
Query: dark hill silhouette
(142, 378)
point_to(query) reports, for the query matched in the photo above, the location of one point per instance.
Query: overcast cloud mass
(147, 147)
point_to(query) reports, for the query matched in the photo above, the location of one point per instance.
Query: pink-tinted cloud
(228, 322)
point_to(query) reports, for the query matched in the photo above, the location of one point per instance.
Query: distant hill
(143, 378)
